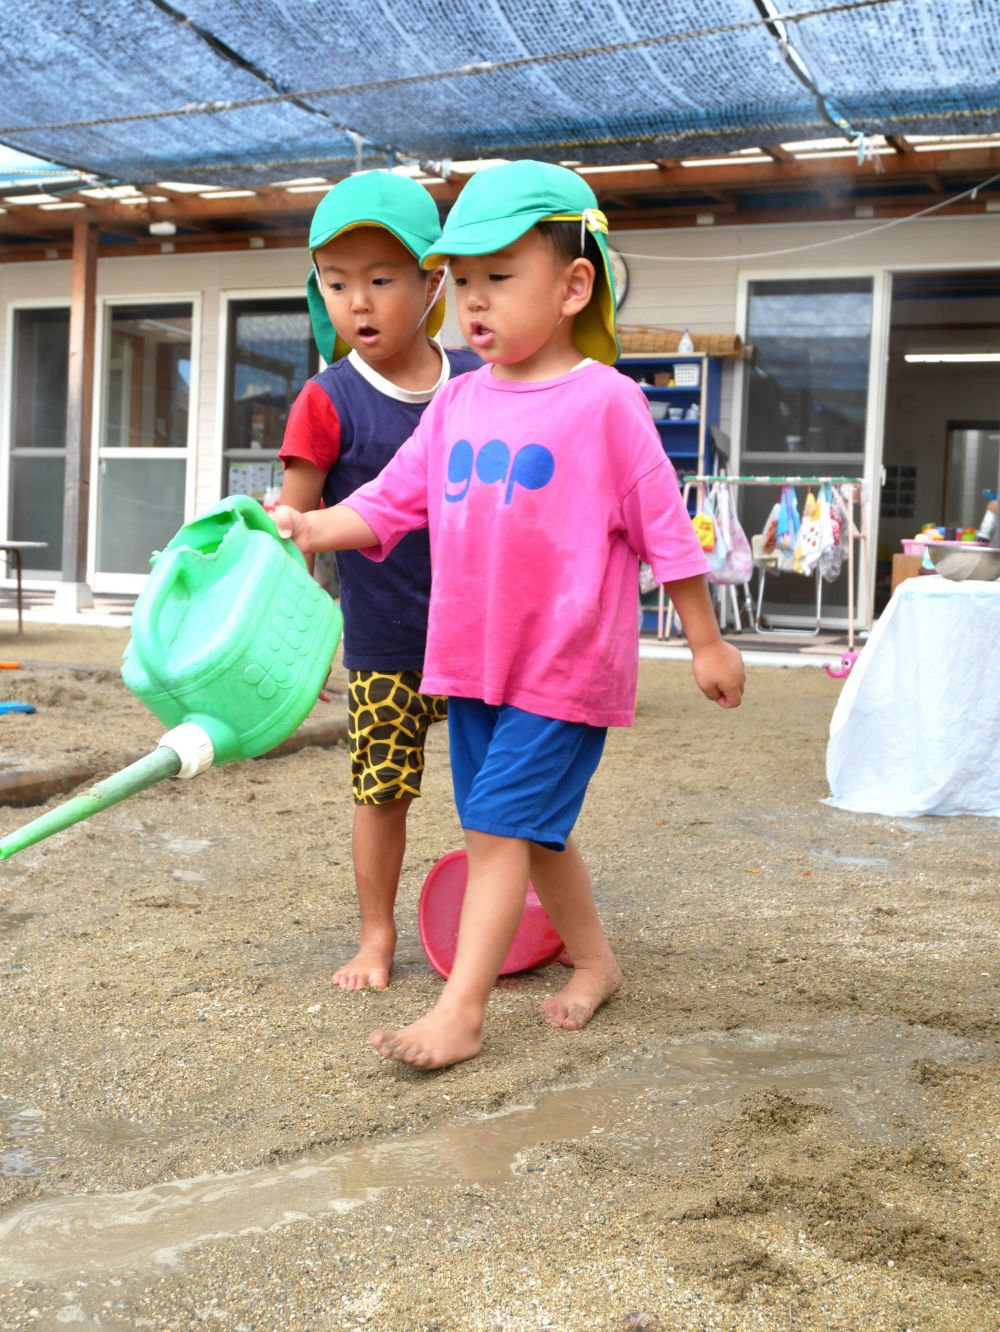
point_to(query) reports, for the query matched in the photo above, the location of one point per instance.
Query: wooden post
(74, 592)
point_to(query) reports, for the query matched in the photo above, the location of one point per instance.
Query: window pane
(271, 355)
(147, 377)
(140, 507)
(41, 357)
(807, 389)
(37, 507)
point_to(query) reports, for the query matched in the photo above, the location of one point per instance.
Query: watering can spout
(163, 762)
(183, 752)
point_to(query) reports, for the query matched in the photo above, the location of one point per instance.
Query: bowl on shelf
(914, 546)
(981, 563)
(675, 413)
(657, 410)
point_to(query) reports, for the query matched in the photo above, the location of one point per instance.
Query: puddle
(20, 1126)
(874, 862)
(10, 920)
(26, 1144)
(656, 1109)
(188, 846)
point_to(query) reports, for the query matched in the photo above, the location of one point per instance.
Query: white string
(812, 245)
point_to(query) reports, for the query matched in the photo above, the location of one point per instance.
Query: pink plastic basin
(913, 547)
(536, 943)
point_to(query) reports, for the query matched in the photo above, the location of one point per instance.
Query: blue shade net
(910, 67)
(263, 90)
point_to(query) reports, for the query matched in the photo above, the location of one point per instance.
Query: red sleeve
(313, 429)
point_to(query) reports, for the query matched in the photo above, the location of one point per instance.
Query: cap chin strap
(438, 293)
(591, 219)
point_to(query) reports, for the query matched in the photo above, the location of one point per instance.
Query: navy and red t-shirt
(349, 421)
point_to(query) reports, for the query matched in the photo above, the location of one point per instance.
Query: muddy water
(656, 1108)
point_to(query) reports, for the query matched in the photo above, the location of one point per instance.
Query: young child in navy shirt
(374, 312)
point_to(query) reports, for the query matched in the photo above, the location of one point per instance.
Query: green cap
(501, 203)
(371, 199)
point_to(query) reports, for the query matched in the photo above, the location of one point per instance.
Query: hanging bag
(788, 529)
(833, 533)
(704, 526)
(717, 555)
(737, 565)
(770, 533)
(807, 543)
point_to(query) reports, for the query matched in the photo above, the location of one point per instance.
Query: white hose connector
(192, 745)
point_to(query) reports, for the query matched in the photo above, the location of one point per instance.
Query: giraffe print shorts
(387, 718)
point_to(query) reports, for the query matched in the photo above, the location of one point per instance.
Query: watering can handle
(257, 517)
(205, 534)
(250, 513)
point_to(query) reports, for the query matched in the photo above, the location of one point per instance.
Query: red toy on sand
(535, 944)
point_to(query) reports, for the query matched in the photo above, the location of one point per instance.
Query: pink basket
(536, 943)
(913, 547)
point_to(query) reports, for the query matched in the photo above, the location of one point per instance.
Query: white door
(144, 437)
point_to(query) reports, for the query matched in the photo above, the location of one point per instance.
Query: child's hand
(719, 674)
(292, 524)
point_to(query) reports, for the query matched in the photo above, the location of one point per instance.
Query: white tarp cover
(917, 727)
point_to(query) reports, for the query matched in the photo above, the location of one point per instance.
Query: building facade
(197, 358)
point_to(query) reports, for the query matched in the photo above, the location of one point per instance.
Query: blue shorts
(519, 775)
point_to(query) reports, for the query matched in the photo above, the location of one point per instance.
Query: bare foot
(368, 969)
(588, 988)
(441, 1037)
(564, 959)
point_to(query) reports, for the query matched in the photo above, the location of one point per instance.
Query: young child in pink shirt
(542, 482)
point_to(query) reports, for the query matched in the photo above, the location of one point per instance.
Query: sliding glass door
(144, 437)
(40, 340)
(805, 408)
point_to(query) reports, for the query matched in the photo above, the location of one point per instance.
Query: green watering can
(232, 640)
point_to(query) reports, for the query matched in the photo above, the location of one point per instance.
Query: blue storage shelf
(686, 443)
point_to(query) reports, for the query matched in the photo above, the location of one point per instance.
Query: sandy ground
(787, 1119)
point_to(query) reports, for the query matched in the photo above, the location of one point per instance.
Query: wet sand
(787, 1118)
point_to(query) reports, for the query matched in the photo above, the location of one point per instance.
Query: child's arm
(718, 667)
(339, 528)
(302, 488)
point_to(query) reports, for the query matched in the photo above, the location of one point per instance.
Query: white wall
(678, 277)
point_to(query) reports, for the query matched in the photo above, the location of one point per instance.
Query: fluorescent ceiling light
(933, 358)
(122, 192)
(724, 161)
(622, 166)
(468, 166)
(803, 145)
(955, 145)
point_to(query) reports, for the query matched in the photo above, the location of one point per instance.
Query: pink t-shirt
(540, 499)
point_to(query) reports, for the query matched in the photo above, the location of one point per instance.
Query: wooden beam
(833, 179)
(656, 219)
(79, 403)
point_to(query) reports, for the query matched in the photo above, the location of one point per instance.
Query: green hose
(163, 762)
